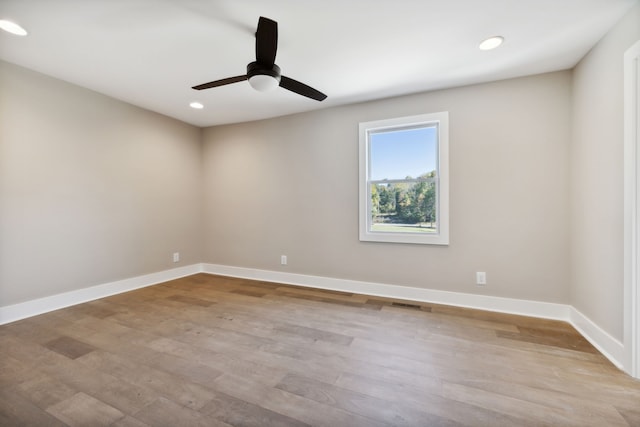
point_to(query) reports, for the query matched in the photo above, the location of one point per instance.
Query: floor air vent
(405, 305)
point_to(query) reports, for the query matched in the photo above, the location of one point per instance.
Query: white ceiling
(150, 52)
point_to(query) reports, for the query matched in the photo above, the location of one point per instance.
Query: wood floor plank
(359, 403)
(631, 416)
(16, 410)
(189, 370)
(190, 300)
(124, 395)
(175, 387)
(249, 292)
(428, 401)
(45, 391)
(594, 412)
(82, 410)
(241, 413)
(129, 421)
(121, 394)
(69, 347)
(295, 406)
(165, 412)
(212, 350)
(325, 299)
(514, 406)
(12, 370)
(546, 337)
(315, 334)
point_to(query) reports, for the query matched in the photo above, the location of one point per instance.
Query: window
(404, 180)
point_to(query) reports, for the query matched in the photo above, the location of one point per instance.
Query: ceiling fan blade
(221, 82)
(301, 88)
(266, 41)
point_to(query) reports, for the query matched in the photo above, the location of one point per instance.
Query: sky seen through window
(396, 154)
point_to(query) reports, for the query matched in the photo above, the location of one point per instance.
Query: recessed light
(196, 105)
(491, 43)
(12, 27)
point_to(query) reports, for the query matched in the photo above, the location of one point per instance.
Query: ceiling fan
(263, 74)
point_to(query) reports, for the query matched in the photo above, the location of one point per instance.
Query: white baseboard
(482, 302)
(610, 347)
(11, 313)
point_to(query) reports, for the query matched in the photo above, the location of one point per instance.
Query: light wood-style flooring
(215, 351)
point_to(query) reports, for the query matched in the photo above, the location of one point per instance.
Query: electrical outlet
(176, 257)
(481, 278)
(283, 259)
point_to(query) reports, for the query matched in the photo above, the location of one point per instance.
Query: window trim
(442, 213)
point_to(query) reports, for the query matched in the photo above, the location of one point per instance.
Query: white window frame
(441, 237)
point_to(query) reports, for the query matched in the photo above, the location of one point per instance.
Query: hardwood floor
(215, 351)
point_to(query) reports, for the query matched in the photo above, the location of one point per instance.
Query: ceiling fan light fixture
(261, 78)
(264, 82)
(491, 43)
(12, 27)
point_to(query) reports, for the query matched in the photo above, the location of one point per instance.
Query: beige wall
(597, 178)
(290, 186)
(92, 190)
